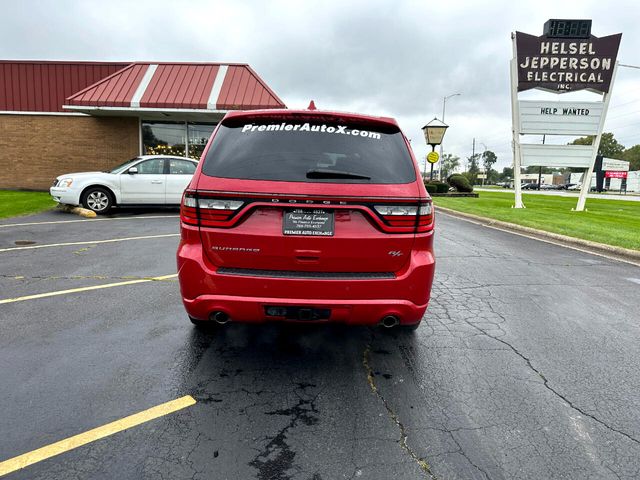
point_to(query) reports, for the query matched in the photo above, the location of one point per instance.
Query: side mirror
(132, 170)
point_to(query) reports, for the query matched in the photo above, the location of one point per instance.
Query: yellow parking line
(92, 220)
(35, 456)
(86, 289)
(94, 242)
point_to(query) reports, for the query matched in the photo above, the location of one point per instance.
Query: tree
(473, 168)
(632, 155)
(488, 159)
(507, 174)
(473, 163)
(448, 164)
(609, 146)
(535, 169)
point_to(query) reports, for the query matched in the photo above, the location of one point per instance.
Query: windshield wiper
(324, 173)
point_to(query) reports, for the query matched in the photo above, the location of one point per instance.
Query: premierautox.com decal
(307, 127)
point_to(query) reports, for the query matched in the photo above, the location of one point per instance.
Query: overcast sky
(393, 58)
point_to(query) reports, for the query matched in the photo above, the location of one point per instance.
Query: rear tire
(97, 199)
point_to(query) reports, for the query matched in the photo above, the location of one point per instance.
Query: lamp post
(444, 105)
(433, 134)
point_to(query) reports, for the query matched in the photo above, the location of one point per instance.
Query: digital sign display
(567, 28)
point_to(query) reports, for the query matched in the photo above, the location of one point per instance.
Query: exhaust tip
(219, 317)
(389, 321)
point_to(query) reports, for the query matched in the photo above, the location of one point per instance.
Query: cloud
(397, 58)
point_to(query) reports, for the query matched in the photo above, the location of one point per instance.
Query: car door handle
(157, 182)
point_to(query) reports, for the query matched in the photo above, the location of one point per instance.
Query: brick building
(63, 117)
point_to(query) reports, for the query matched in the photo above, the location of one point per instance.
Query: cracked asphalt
(526, 366)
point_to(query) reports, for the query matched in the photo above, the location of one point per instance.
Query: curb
(593, 247)
(83, 212)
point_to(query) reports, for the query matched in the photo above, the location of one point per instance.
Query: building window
(199, 134)
(175, 138)
(164, 138)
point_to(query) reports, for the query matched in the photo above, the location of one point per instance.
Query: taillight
(406, 218)
(425, 217)
(205, 211)
(188, 211)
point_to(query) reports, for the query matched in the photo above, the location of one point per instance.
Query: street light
(444, 104)
(433, 134)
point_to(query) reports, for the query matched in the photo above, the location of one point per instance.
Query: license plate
(316, 223)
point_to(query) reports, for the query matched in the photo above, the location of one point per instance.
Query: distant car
(547, 186)
(145, 180)
(576, 186)
(530, 186)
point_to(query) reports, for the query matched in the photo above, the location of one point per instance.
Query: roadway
(526, 366)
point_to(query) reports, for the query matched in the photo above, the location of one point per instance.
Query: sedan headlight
(65, 182)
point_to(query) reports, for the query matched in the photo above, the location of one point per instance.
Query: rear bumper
(353, 301)
(357, 312)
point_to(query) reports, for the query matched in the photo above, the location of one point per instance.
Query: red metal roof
(180, 86)
(194, 86)
(34, 86)
(116, 90)
(243, 89)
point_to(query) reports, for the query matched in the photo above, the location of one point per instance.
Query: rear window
(309, 151)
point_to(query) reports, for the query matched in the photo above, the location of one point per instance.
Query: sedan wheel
(98, 200)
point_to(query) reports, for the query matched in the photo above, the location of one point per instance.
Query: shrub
(431, 188)
(442, 187)
(460, 183)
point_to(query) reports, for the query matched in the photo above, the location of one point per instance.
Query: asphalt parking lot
(527, 365)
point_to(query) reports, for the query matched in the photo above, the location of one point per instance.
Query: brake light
(425, 217)
(407, 218)
(205, 211)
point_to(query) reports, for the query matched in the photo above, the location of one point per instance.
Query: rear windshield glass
(309, 151)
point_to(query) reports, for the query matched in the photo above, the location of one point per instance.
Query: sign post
(515, 116)
(433, 133)
(586, 183)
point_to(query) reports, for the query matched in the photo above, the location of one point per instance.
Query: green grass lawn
(13, 203)
(614, 222)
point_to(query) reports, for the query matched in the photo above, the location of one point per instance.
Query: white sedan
(144, 180)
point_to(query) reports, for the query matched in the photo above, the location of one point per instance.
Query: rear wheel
(97, 199)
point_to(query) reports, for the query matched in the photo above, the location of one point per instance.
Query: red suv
(306, 216)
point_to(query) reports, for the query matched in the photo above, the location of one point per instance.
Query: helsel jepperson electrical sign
(566, 64)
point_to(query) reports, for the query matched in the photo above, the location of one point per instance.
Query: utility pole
(486, 172)
(473, 152)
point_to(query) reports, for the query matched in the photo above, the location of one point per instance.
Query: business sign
(537, 155)
(565, 64)
(612, 165)
(560, 118)
(565, 58)
(614, 174)
(432, 157)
